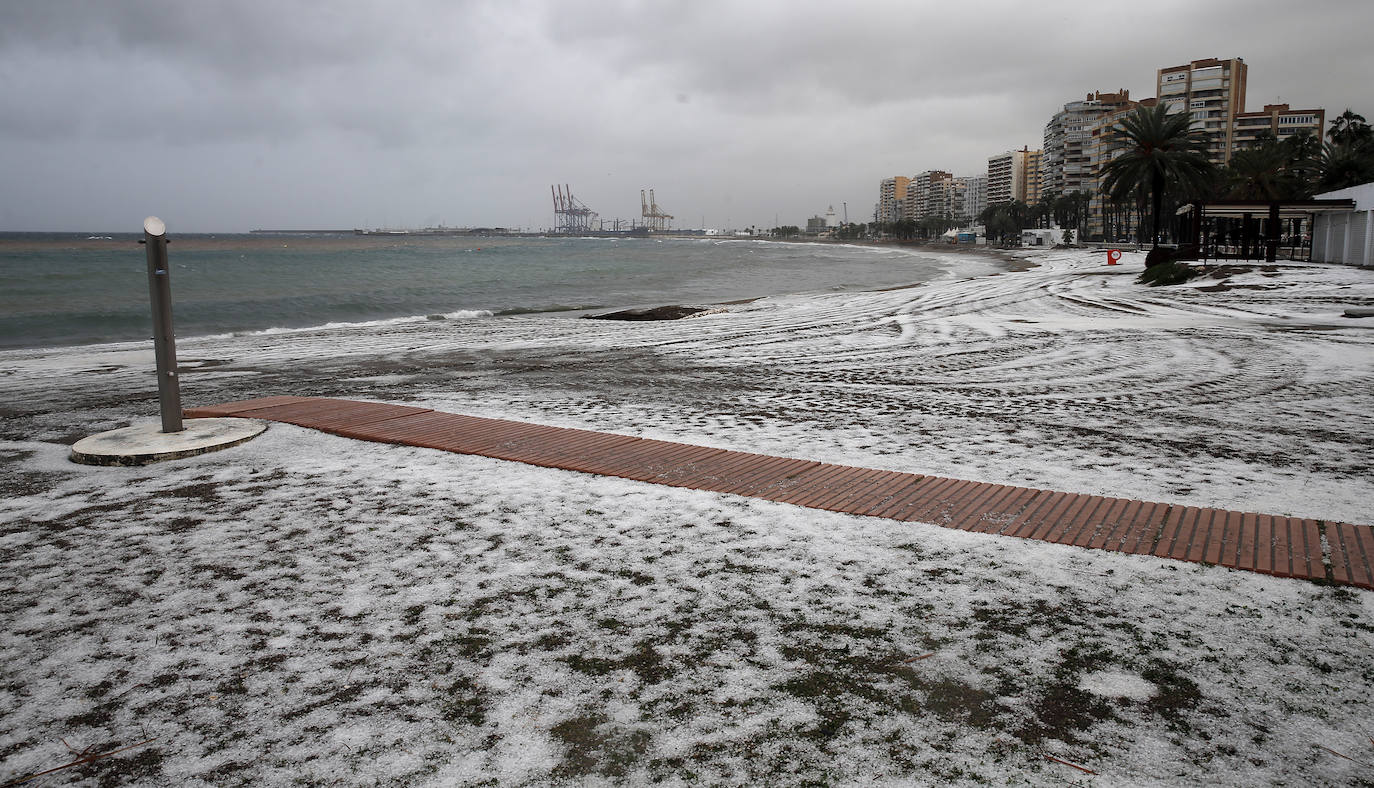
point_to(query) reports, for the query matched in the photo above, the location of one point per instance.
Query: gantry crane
(570, 215)
(654, 217)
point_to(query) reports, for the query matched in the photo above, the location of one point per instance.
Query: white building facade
(1346, 237)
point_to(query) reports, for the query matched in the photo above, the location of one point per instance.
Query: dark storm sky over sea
(237, 115)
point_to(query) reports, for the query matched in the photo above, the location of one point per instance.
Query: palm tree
(1345, 165)
(1349, 127)
(1163, 155)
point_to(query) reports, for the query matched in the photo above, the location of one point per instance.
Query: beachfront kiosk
(174, 437)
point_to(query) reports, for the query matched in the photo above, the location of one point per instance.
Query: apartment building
(929, 194)
(892, 194)
(1014, 175)
(1212, 92)
(1105, 142)
(974, 192)
(1278, 120)
(1068, 162)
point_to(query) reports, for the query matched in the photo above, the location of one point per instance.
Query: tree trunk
(1157, 204)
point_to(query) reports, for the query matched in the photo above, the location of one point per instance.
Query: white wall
(1346, 238)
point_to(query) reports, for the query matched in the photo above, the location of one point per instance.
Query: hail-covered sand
(307, 609)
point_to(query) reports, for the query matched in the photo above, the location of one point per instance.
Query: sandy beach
(306, 608)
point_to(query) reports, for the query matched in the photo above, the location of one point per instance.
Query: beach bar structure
(1257, 229)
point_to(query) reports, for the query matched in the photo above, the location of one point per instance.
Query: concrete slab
(146, 443)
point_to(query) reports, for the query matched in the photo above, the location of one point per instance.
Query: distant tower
(830, 217)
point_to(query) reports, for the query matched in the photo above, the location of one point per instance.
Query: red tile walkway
(1283, 546)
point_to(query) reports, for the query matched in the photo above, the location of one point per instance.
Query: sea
(59, 289)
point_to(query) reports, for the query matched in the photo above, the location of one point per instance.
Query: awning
(1288, 209)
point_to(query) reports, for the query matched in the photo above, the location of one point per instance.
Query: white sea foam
(461, 314)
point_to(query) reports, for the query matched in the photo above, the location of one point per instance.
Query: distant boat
(99, 238)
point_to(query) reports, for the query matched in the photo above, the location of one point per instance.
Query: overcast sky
(229, 116)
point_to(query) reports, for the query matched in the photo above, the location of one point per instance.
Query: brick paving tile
(1281, 546)
(1312, 550)
(1349, 556)
(1193, 538)
(431, 430)
(1359, 542)
(289, 412)
(241, 407)
(1001, 510)
(1099, 529)
(529, 444)
(578, 447)
(861, 493)
(1069, 520)
(718, 471)
(1143, 529)
(775, 490)
(492, 435)
(1283, 550)
(1208, 541)
(937, 510)
(357, 415)
(764, 475)
(858, 482)
(1230, 543)
(1115, 534)
(823, 488)
(1169, 531)
(702, 471)
(310, 412)
(842, 479)
(963, 512)
(646, 459)
(670, 463)
(810, 484)
(902, 499)
(1340, 560)
(1249, 541)
(970, 515)
(1030, 518)
(1123, 528)
(1264, 544)
(930, 488)
(377, 427)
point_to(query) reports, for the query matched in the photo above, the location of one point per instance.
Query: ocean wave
(462, 314)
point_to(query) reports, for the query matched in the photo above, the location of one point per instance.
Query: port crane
(654, 217)
(571, 216)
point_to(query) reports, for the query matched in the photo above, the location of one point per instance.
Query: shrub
(1159, 256)
(1171, 272)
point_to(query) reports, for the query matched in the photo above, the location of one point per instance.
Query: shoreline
(1005, 262)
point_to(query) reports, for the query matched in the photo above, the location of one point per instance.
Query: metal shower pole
(164, 340)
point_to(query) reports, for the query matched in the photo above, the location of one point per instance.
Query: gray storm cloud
(256, 114)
